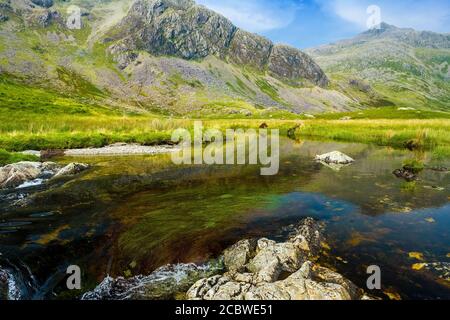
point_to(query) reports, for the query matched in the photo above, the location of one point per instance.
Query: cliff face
(183, 29)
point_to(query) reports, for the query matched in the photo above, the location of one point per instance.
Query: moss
(427, 134)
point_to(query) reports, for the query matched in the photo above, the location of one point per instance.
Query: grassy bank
(431, 134)
(12, 157)
(37, 132)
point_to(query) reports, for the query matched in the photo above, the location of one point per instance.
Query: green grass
(387, 113)
(12, 157)
(19, 100)
(430, 135)
(414, 165)
(270, 90)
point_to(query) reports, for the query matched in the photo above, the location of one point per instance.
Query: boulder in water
(13, 175)
(71, 169)
(278, 271)
(16, 174)
(335, 157)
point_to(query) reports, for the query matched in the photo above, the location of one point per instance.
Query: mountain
(171, 57)
(390, 66)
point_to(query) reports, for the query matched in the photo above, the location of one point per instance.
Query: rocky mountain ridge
(183, 29)
(176, 58)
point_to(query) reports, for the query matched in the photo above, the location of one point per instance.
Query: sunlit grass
(431, 135)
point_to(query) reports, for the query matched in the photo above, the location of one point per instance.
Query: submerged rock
(277, 271)
(335, 157)
(405, 174)
(439, 270)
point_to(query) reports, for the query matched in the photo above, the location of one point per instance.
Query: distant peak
(386, 26)
(382, 27)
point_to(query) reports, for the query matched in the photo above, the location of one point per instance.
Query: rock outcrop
(250, 269)
(289, 63)
(183, 29)
(14, 175)
(267, 270)
(43, 3)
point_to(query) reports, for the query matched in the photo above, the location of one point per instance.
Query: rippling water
(131, 215)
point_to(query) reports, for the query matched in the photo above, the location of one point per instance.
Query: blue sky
(309, 23)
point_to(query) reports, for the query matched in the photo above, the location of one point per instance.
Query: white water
(31, 183)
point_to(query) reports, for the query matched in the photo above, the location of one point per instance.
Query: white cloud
(256, 15)
(422, 15)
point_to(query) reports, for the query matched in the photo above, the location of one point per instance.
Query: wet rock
(71, 169)
(3, 285)
(8, 286)
(278, 271)
(291, 132)
(412, 145)
(405, 174)
(335, 157)
(15, 175)
(164, 283)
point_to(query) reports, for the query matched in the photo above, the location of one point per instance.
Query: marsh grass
(431, 135)
(40, 132)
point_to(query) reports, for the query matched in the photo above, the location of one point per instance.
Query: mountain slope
(166, 56)
(396, 66)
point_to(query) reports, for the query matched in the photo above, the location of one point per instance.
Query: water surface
(130, 215)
